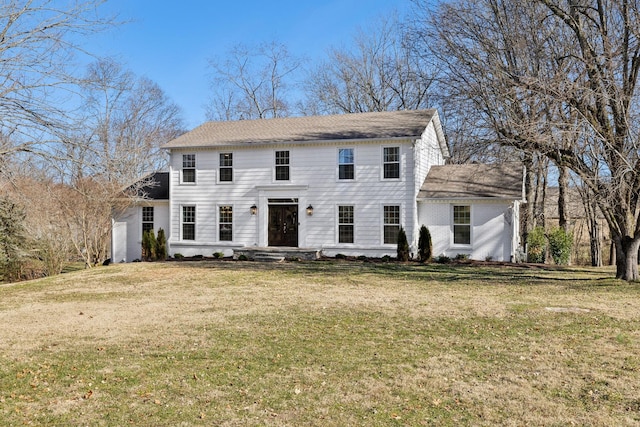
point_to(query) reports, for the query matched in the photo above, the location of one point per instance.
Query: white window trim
(195, 169)
(143, 222)
(382, 162)
(382, 224)
(273, 176)
(337, 232)
(153, 213)
(233, 168)
(218, 223)
(461, 245)
(195, 223)
(355, 173)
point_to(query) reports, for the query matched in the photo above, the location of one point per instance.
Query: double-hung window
(282, 166)
(462, 225)
(226, 167)
(225, 223)
(345, 224)
(346, 166)
(188, 168)
(188, 223)
(391, 162)
(147, 219)
(391, 224)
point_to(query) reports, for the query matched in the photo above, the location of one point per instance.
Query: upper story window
(188, 168)
(391, 162)
(226, 167)
(188, 223)
(147, 219)
(462, 225)
(391, 221)
(282, 166)
(345, 224)
(346, 166)
(226, 223)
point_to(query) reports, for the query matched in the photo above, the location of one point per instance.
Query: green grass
(321, 343)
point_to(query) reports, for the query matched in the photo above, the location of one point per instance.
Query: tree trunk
(595, 245)
(591, 214)
(563, 211)
(627, 257)
(529, 189)
(612, 253)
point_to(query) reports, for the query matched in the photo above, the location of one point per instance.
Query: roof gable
(473, 181)
(360, 126)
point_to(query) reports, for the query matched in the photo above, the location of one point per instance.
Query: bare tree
(477, 55)
(38, 39)
(380, 73)
(71, 193)
(591, 216)
(86, 208)
(526, 61)
(48, 240)
(252, 83)
(601, 86)
(125, 120)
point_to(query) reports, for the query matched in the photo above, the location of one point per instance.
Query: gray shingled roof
(392, 124)
(471, 181)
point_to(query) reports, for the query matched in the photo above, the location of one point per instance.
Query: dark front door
(283, 225)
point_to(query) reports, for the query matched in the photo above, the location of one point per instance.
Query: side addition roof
(153, 187)
(473, 181)
(309, 129)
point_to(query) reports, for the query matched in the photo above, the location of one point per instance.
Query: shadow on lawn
(478, 272)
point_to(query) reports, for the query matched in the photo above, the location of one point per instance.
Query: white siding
(126, 232)
(313, 181)
(492, 229)
(120, 236)
(427, 153)
(161, 218)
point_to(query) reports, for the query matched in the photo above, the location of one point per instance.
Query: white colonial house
(340, 184)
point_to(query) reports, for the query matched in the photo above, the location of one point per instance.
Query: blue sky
(170, 42)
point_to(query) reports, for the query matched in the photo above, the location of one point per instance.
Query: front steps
(277, 254)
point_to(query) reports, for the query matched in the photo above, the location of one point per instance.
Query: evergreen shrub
(403, 246)
(536, 245)
(560, 245)
(425, 246)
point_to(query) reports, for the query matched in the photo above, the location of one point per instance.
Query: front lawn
(320, 343)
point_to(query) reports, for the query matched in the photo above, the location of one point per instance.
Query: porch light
(309, 210)
(253, 209)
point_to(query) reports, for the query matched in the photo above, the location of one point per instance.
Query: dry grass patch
(231, 343)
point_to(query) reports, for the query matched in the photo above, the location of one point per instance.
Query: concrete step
(268, 257)
(277, 255)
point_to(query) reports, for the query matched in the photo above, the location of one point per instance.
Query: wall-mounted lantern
(253, 209)
(309, 210)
